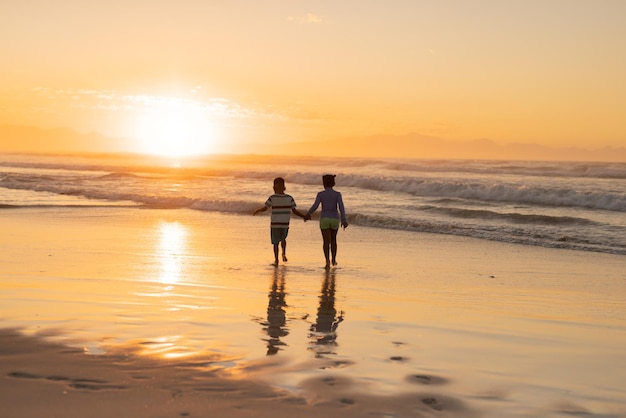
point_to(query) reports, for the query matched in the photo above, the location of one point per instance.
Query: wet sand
(156, 313)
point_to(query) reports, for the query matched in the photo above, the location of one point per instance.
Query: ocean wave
(480, 190)
(119, 176)
(69, 205)
(528, 229)
(25, 179)
(552, 238)
(135, 163)
(517, 218)
(520, 168)
(563, 212)
(107, 169)
(515, 193)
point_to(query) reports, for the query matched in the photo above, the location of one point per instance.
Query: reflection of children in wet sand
(282, 205)
(276, 317)
(323, 332)
(332, 209)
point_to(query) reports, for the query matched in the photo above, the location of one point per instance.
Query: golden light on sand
(175, 128)
(171, 248)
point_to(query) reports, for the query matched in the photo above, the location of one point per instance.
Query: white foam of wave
(519, 193)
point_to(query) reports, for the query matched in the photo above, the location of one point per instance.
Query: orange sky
(212, 76)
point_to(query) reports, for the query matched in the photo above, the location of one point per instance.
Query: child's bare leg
(275, 254)
(326, 245)
(333, 245)
(284, 244)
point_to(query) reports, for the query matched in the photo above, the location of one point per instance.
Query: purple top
(332, 204)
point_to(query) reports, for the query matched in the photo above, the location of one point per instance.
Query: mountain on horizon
(421, 146)
(27, 139)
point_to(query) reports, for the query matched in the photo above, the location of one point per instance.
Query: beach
(471, 156)
(117, 311)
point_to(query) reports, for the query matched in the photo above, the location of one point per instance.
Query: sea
(569, 205)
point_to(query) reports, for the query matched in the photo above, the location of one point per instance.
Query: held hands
(307, 218)
(344, 225)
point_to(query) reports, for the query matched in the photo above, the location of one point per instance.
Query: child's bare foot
(327, 266)
(284, 257)
(334, 262)
(275, 263)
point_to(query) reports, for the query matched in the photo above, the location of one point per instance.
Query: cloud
(110, 100)
(68, 100)
(310, 18)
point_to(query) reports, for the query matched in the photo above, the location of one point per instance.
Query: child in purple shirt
(332, 211)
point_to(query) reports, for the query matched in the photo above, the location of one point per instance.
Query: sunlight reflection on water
(171, 247)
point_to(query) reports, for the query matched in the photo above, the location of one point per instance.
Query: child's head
(328, 180)
(279, 185)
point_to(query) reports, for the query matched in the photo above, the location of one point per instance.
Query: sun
(175, 129)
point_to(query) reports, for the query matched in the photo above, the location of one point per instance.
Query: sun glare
(175, 130)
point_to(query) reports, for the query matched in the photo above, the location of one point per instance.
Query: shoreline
(407, 325)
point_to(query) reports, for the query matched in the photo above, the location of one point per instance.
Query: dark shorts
(278, 234)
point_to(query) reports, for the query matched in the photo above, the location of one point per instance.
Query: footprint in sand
(330, 381)
(339, 364)
(432, 403)
(424, 379)
(22, 375)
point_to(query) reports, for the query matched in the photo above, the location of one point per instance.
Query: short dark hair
(328, 180)
(279, 181)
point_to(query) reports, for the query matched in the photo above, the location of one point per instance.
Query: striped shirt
(281, 205)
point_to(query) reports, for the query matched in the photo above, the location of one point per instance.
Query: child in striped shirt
(282, 205)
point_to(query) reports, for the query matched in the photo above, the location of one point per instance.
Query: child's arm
(262, 209)
(297, 212)
(317, 202)
(342, 211)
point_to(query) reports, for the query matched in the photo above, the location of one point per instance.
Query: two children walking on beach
(333, 214)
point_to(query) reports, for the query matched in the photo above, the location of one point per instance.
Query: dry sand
(153, 313)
